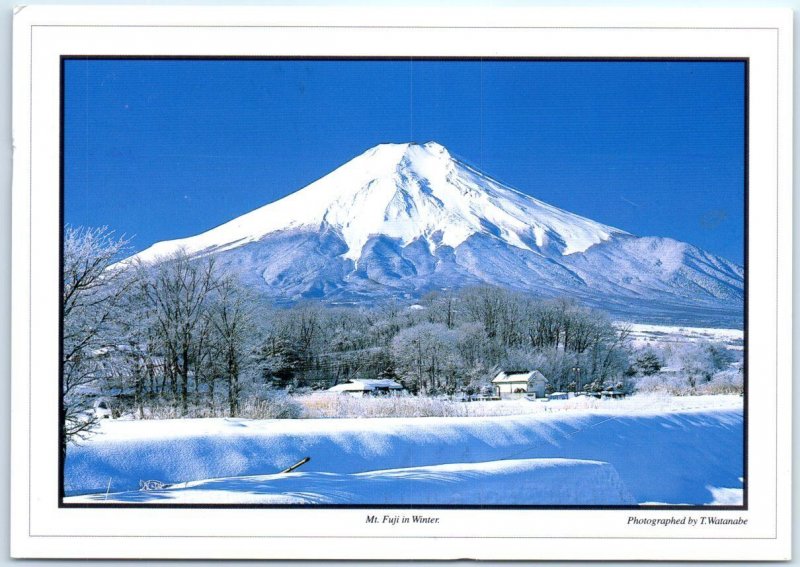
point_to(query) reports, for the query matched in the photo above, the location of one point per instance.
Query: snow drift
(512, 482)
(659, 457)
(406, 219)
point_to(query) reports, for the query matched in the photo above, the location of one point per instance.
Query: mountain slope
(405, 219)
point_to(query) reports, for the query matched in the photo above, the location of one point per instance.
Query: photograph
(401, 283)
(407, 282)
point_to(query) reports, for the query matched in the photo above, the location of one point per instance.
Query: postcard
(503, 283)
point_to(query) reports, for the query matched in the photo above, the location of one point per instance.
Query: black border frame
(657, 507)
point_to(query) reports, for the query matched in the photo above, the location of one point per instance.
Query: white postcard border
(44, 34)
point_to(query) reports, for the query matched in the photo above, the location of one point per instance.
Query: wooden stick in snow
(296, 465)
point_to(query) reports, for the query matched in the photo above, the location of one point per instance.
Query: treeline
(448, 343)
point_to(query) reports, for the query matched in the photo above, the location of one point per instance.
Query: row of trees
(448, 343)
(172, 332)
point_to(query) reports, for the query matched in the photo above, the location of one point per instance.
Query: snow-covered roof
(516, 377)
(350, 387)
(363, 385)
(381, 383)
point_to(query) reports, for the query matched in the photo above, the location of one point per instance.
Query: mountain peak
(409, 155)
(430, 146)
(407, 192)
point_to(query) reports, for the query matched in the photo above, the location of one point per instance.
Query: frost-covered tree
(730, 381)
(136, 365)
(277, 358)
(647, 362)
(179, 289)
(486, 305)
(231, 338)
(699, 361)
(701, 367)
(425, 357)
(92, 295)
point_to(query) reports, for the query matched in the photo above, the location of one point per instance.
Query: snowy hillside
(404, 219)
(406, 192)
(618, 456)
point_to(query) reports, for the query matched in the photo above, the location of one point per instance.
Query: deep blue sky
(168, 149)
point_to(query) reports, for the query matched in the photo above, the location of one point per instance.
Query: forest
(181, 334)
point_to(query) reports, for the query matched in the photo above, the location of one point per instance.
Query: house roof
(360, 385)
(350, 387)
(380, 383)
(518, 377)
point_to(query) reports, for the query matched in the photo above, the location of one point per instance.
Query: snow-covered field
(641, 450)
(643, 335)
(334, 405)
(508, 482)
(640, 403)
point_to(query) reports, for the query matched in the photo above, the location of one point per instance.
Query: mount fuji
(401, 220)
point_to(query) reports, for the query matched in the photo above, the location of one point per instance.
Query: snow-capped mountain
(405, 219)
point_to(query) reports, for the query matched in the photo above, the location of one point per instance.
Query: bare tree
(179, 289)
(425, 355)
(230, 321)
(92, 291)
(484, 304)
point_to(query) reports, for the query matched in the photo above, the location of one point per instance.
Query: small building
(613, 394)
(519, 384)
(361, 387)
(558, 396)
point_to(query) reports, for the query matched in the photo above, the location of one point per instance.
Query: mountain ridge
(403, 190)
(406, 219)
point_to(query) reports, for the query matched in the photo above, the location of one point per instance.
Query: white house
(359, 388)
(519, 384)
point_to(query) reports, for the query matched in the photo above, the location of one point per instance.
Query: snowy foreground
(645, 451)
